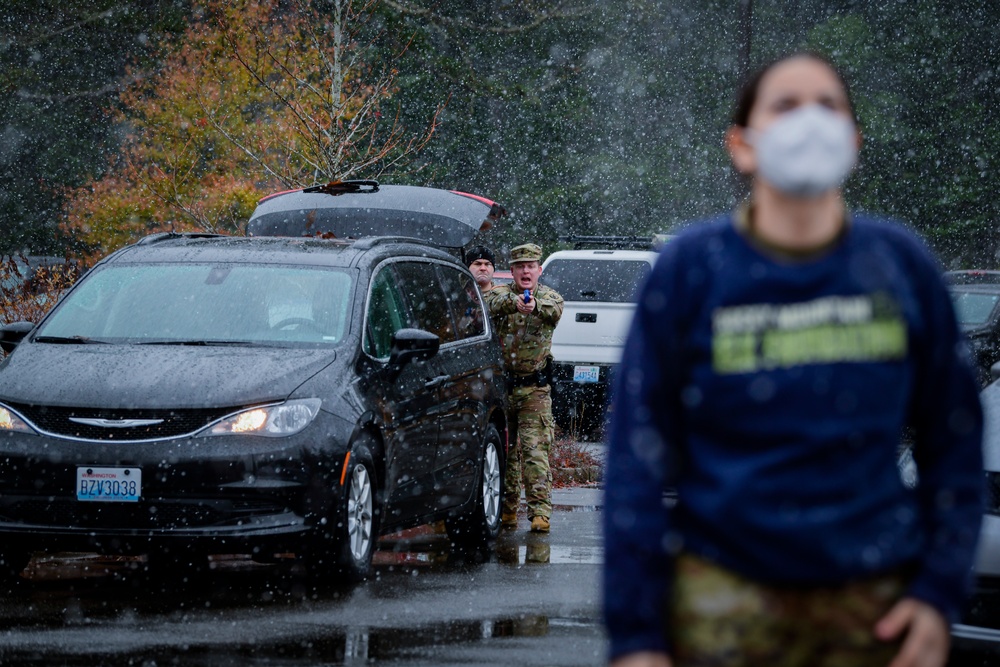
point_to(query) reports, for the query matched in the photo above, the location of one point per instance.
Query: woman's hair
(747, 96)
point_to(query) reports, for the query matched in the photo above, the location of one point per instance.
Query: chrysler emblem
(115, 423)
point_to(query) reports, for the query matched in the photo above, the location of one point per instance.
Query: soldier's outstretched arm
(501, 301)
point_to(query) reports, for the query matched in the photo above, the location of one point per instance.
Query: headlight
(9, 421)
(273, 421)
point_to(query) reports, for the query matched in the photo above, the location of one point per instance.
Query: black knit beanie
(479, 252)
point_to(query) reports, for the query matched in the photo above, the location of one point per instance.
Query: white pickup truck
(599, 287)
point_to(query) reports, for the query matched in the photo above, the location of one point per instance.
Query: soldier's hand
(643, 659)
(926, 639)
(523, 307)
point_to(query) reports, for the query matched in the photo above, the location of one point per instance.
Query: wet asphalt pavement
(534, 601)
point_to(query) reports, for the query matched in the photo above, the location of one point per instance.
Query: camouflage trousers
(719, 618)
(530, 420)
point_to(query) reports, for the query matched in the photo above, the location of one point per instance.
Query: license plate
(122, 485)
(586, 374)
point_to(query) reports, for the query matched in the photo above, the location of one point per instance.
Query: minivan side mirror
(412, 345)
(14, 333)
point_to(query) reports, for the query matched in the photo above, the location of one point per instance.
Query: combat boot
(540, 524)
(509, 520)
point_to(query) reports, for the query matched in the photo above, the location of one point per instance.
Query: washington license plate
(586, 374)
(122, 485)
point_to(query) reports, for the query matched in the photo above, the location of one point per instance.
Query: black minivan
(197, 394)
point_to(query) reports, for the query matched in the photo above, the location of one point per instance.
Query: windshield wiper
(69, 340)
(206, 343)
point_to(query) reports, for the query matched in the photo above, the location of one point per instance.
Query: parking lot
(533, 601)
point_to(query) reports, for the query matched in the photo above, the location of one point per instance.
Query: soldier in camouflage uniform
(525, 328)
(720, 618)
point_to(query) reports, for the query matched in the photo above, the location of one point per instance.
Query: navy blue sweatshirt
(772, 396)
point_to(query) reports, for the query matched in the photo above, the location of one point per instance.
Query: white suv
(599, 288)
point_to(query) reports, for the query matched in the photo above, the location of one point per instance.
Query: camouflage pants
(530, 420)
(721, 619)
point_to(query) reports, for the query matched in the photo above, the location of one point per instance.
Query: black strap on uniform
(540, 378)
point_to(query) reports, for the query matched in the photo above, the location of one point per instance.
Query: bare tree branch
(224, 131)
(346, 133)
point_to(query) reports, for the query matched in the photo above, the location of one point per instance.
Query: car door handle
(586, 317)
(436, 381)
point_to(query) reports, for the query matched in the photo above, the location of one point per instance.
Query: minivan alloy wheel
(359, 513)
(491, 485)
(341, 544)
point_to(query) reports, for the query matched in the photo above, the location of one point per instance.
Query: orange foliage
(257, 95)
(572, 464)
(27, 292)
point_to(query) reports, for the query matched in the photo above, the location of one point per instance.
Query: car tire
(343, 545)
(479, 524)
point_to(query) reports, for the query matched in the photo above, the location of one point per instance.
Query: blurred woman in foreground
(776, 355)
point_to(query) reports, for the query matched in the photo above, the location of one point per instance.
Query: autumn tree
(29, 288)
(257, 95)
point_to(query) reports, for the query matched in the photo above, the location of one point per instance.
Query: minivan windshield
(608, 281)
(203, 304)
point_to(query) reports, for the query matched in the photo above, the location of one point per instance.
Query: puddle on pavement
(357, 646)
(426, 548)
(543, 552)
(577, 508)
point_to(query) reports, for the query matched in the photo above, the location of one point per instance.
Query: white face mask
(806, 152)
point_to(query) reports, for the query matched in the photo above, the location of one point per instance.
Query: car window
(973, 308)
(427, 302)
(463, 297)
(303, 303)
(610, 281)
(386, 314)
(175, 303)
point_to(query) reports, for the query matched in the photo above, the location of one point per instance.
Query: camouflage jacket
(526, 339)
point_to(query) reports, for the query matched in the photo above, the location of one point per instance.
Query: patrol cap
(479, 252)
(529, 252)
